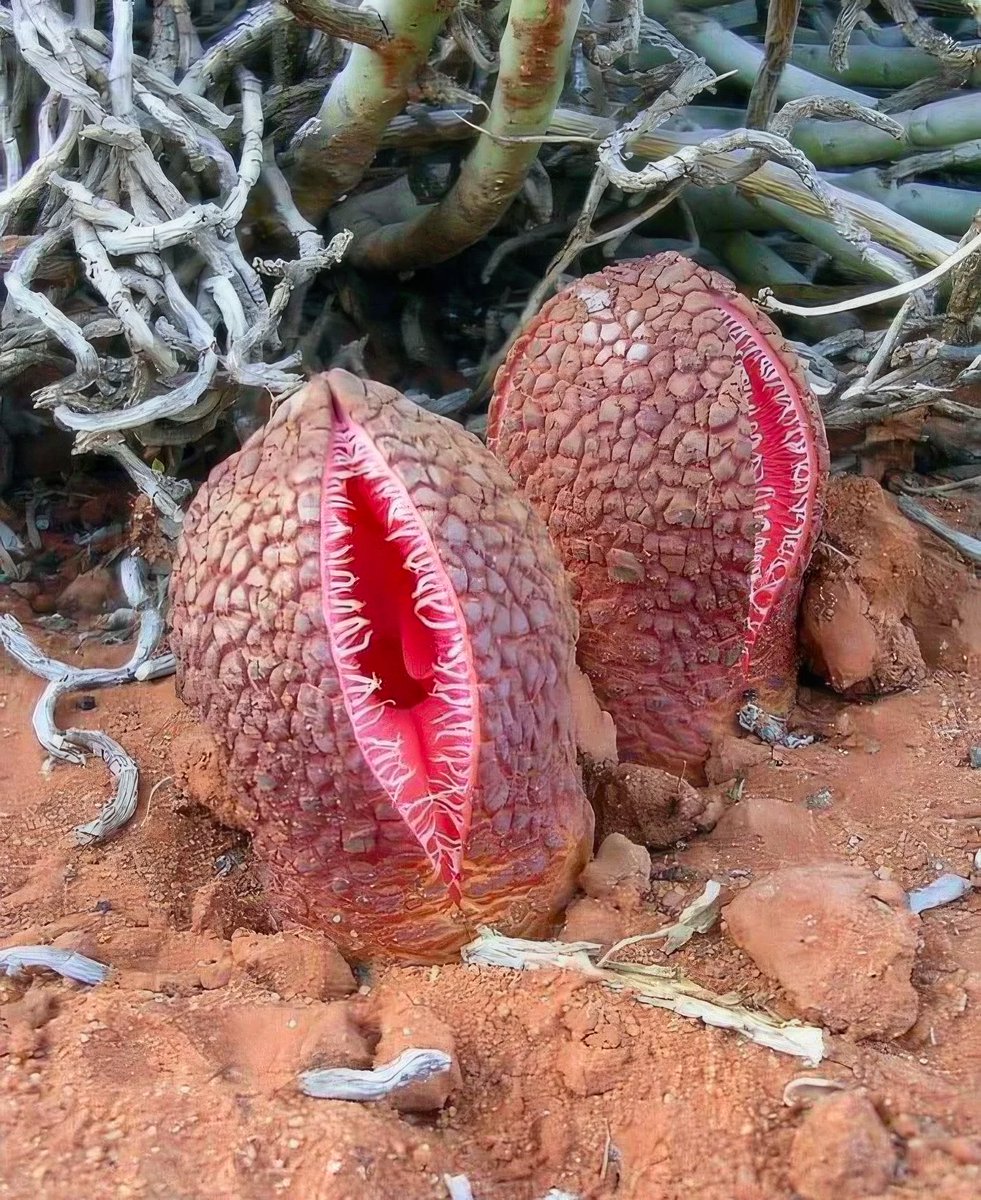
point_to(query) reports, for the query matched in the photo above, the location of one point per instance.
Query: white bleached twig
(72, 745)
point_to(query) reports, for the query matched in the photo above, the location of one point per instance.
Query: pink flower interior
(400, 646)
(785, 462)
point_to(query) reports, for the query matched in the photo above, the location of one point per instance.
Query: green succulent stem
(869, 66)
(726, 51)
(838, 144)
(757, 265)
(771, 181)
(778, 183)
(534, 55)
(332, 151)
(946, 210)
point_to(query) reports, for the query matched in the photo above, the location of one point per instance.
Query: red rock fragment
(842, 1151)
(405, 1025)
(294, 964)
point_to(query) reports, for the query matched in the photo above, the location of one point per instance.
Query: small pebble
(974, 757)
(944, 890)
(819, 801)
(85, 703)
(227, 862)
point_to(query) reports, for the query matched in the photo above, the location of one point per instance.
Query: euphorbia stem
(873, 66)
(822, 233)
(724, 51)
(946, 210)
(838, 144)
(331, 153)
(771, 180)
(849, 143)
(534, 54)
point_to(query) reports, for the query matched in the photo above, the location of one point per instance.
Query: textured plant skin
(255, 665)
(623, 412)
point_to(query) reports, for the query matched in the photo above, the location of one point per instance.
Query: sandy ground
(177, 1077)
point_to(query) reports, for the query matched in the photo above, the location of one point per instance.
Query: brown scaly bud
(377, 631)
(662, 427)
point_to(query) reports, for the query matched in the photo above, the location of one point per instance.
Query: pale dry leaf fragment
(661, 987)
(770, 303)
(121, 805)
(969, 546)
(68, 963)
(156, 668)
(805, 1089)
(458, 1187)
(73, 745)
(698, 917)
(944, 890)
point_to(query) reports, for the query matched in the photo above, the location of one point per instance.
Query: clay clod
(619, 866)
(294, 964)
(885, 600)
(651, 807)
(842, 1151)
(839, 941)
(405, 1025)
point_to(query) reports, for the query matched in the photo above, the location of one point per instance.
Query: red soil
(177, 1077)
